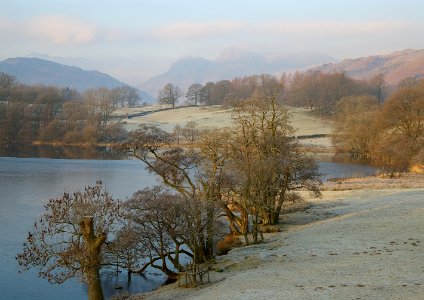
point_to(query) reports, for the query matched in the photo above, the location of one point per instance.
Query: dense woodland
(51, 114)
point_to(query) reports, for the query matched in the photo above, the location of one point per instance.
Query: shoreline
(357, 243)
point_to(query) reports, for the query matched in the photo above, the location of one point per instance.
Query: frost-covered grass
(402, 181)
(217, 116)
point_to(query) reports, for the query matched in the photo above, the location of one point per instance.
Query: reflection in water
(67, 152)
(25, 185)
(330, 170)
(113, 284)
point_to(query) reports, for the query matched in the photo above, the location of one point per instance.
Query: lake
(27, 183)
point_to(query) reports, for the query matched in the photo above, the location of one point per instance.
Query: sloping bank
(360, 244)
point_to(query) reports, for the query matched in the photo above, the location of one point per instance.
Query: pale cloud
(338, 38)
(61, 30)
(6, 25)
(7, 29)
(332, 28)
(195, 30)
(62, 35)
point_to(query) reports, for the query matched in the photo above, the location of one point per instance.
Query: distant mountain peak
(394, 66)
(235, 54)
(33, 71)
(231, 63)
(189, 61)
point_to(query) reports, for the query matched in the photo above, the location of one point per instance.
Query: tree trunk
(210, 234)
(199, 254)
(255, 220)
(95, 290)
(92, 261)
(275, 218)
(231, 219)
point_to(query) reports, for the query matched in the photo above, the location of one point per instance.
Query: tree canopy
(68, 240)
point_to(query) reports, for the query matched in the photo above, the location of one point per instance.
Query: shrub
(270, 228)
(224, 246)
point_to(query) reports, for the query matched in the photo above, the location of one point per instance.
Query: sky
(134, 40)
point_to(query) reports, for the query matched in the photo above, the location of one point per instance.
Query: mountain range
(35, 71)
(231, 64)
(394, 66)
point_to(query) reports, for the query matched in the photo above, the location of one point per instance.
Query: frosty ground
(362, 240)
(351, 244)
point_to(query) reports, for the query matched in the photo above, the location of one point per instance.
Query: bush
(270, 228)
(229, 242)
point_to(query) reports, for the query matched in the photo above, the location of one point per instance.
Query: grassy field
(303, 122)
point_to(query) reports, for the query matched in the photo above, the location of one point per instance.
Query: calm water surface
(345, 170)
(27, 183)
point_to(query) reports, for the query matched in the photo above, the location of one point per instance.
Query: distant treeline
(52, 114)
(375, 123)
(317, 90)
(389, 135)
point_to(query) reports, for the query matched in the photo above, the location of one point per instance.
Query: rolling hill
(394, 66)
(34, 71)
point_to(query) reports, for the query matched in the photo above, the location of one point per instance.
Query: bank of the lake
(57, 151)
(353, 244)
(27, 183)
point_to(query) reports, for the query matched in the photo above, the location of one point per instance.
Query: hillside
(34, 71)
(229, 65)
(395, 66)
(218, 116)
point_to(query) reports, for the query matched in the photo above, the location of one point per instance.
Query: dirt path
(348, 245)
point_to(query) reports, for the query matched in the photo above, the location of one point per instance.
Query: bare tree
(402, 130)
(7, 82)
(254, 168)
(356, 127)
(166, 222)
(378, 85)
(190, 132)
(185, 170)
(126, 251)
(206, 91)
(268, 163)
(125, 95)
(194, 93)
(404, 113)
(69, 238)
(169, 94)
(100, 104)
(149, 211)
